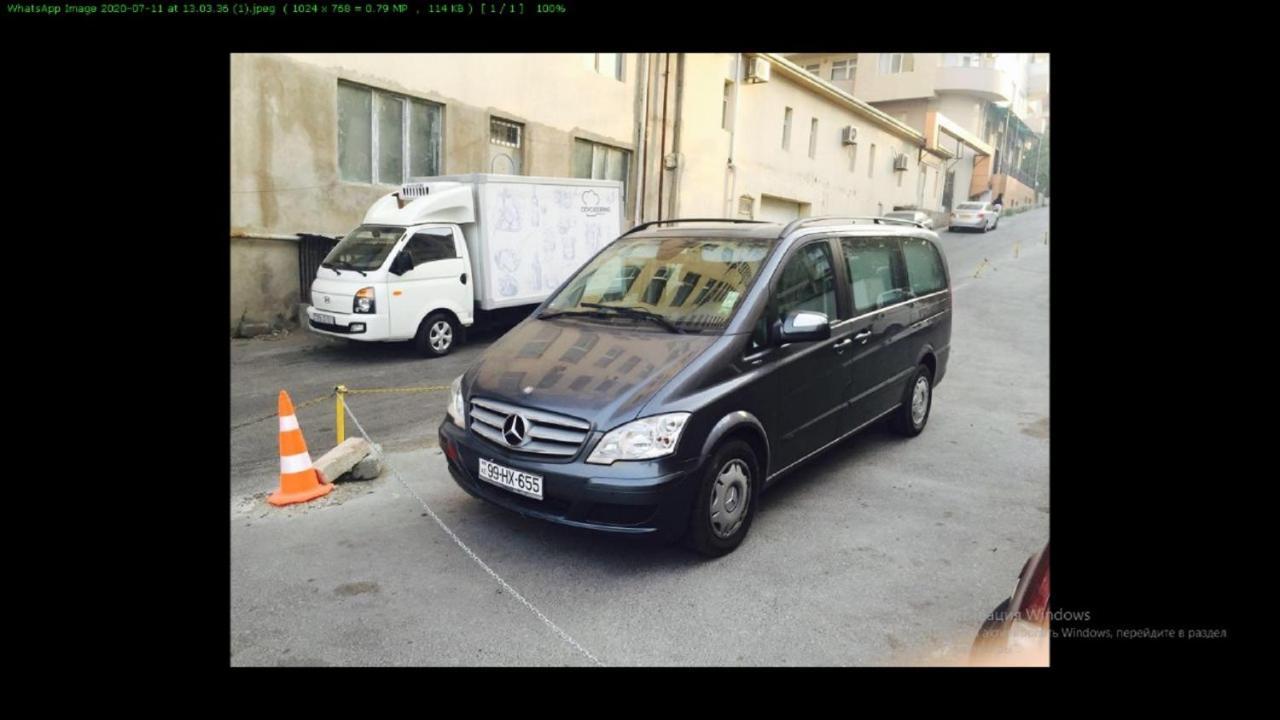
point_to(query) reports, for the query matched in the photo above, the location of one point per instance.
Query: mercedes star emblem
(514, 430)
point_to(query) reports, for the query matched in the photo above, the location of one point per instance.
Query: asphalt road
(882, 551)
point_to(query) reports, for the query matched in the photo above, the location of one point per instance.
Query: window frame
(896, 242)
(886, 64)
(787, 116)
(595, 145)
(406, 134)
(438, 231)
(937, 254)
(849, 66)
(843, 306)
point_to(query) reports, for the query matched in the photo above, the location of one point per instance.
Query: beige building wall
(835, 180)
(284, 142)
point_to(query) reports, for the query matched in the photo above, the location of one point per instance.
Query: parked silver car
(975, 216)
(919, 216)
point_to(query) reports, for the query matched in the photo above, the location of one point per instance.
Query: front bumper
(649, 498)
(376, 327)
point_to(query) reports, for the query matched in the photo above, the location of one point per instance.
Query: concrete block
(254, 329)
(342, 459)
(367, 469)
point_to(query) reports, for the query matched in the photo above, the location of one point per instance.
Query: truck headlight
(455, 403)
(364, 301)
(641, 439)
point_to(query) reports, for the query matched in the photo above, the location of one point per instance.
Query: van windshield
(364, 248)
(690, 284)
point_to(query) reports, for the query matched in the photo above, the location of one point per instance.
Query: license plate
(325, 319)
(516, 481)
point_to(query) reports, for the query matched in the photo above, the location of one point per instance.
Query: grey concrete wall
(264, 281)
(284, 143)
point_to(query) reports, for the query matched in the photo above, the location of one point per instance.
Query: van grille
(546, 433)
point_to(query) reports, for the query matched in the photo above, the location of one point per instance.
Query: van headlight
(641, 439)
(455, 403)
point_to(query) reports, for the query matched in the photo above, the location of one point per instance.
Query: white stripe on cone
(288, 422)
(295, 463)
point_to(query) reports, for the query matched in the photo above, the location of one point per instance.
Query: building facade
(990, 109)
(316, 138)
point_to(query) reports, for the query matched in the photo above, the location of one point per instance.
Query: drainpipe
(731, 174)
(678, 170)
(642, 136)
(662, 146)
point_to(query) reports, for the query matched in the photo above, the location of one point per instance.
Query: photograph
(634, 359)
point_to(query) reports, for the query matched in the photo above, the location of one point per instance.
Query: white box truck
(443, 253)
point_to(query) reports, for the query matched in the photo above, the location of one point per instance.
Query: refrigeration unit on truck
(442, 254)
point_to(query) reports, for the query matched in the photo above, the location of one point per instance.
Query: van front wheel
(436, 335)
(725, 501)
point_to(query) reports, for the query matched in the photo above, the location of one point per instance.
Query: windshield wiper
(637, 312)
(331, 266)
(345, 266)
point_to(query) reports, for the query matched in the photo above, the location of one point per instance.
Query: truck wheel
(436, 335)
(726, 500)
(911, 416)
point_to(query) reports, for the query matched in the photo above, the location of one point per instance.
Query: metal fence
(312, 250)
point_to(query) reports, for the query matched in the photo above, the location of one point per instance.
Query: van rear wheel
(910, 417)
(436, 335)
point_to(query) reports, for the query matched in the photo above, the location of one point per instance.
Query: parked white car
(975, 216)
(919, 216)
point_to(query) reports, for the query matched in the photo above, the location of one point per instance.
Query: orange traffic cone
(299, 481)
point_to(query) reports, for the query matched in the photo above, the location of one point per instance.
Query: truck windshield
(693, 284)
(364, 248)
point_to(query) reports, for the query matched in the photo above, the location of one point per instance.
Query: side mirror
(802, 326)
(402, 264)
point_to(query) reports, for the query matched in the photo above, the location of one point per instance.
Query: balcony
(986, 83)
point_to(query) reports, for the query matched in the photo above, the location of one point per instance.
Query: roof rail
(801, 222)
(651, 223)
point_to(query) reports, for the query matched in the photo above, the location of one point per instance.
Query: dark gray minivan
(691, 363)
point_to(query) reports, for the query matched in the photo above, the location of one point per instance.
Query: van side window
(877, 276)
(431, 245)
(808, 282)
(924, 266)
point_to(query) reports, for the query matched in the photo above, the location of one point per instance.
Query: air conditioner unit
(900, 162)
(849, 135)
(757, 70)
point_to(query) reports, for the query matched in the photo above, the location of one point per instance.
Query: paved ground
(882, 551)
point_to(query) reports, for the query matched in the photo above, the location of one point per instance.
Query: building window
(598, 161)
(961, 59)
(608, 64)
(813, 69)
(786, 129)
(871, 162)
(853, 158)
(506, 142)
(843, 69)
(813, 138)
(893, 63)
(385, 138)
(724, 106)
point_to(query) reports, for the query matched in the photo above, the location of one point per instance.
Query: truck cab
(382, 282)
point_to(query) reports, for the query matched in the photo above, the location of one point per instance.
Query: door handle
(862, 336)
(463, 278)
(842, 345)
